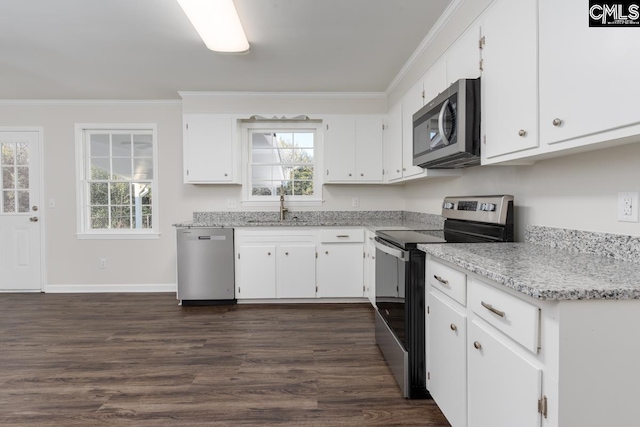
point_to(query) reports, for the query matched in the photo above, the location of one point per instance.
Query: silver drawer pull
(342, 236)
(477, 345)
(491, 309)
(453, 327)
(441, 280)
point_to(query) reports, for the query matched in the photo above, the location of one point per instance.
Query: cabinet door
(296, 272)
(463, 58)
(587, 75)
(369, 149)
(434, 81)
(340, 270)
(411, 102)
(509, 79)
(340, 148)
(208, 148)
(370, 268)
(503, 386)
(447, 358)
(393, 144)
(256, 268)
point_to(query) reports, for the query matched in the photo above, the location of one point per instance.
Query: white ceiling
(147, 49)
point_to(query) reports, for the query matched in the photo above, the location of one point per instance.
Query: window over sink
(282, 157)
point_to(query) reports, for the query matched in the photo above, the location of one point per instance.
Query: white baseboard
(79, 289)
(303, 300)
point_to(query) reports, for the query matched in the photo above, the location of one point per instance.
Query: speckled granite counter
(374, 220)
(543, 272)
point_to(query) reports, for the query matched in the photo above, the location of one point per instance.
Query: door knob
(33, 219)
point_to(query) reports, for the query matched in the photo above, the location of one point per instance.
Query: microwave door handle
(445, 140)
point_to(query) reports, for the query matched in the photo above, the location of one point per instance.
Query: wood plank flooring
(141, 360)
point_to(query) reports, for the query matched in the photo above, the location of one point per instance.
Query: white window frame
(82, 189)
(248, 199)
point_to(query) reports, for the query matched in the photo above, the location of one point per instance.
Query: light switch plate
(628, 206)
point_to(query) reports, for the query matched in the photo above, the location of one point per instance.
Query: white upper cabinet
(412, 101)
(463, 58)
(369, 148)
(434, 81)
(588, 76)
(509, 89)
(353, 148)
(393, 144)
(340, 148)
(210, 149)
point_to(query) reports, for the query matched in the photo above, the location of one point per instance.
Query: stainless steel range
(400, 279)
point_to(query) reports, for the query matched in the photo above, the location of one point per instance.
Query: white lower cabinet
(256, 272)
(447, 357)
(340, 270)
(530, 362)
(290, 263)
(341, 263)
(478, 370)
(370, 267)
(296, 271)
(503, 386)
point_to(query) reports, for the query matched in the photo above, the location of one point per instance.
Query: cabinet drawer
(339, 235)
(448, 280)
(518, 319)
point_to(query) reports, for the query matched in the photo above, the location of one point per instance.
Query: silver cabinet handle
(342, 236)
(33, 219)
(492, 309)
(556, 122)
(522, 132)
(453, 327)
(477, 345)
(441, 280)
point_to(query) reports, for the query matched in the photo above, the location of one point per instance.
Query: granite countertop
(373, 220)
(543, 272)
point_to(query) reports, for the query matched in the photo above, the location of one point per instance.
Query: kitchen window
(117, 192)
(282, 157)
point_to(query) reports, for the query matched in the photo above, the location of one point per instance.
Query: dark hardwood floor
(141, 360)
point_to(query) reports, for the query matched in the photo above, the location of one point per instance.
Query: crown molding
(44, 102)
(426, 42)
(291, 95)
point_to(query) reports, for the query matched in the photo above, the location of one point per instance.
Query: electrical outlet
(628, 206)
(231, 203)
(103, 263)
(355, 202)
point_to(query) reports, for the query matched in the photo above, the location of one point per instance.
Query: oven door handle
(391, 250)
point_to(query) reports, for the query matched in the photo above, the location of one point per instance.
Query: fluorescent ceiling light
(217, 23)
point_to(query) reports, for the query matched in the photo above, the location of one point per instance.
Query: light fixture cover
(217, 23)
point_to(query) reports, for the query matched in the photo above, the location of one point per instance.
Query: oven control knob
(483, 206)
(447, 205)
(491, 207)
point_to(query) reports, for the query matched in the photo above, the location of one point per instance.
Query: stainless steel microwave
(446, 131)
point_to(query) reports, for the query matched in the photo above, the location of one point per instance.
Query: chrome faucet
(283, 210)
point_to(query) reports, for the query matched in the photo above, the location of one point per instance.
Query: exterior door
(20, 229)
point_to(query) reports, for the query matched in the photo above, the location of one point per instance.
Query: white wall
(577, 191)
(71, 262)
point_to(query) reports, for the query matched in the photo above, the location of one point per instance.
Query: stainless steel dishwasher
(206, 266)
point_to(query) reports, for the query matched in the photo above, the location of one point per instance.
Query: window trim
(248, 199)
(83, 232)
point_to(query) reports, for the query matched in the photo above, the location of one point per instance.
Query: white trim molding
(110, 288)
